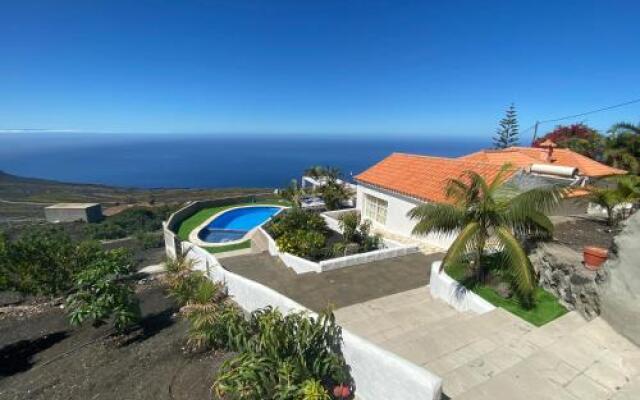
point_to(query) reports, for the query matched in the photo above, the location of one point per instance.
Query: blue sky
(327, 67)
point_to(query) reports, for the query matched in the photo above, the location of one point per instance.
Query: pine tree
(507, 134)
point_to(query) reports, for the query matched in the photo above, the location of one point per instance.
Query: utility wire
(626, 103)
(535, 126)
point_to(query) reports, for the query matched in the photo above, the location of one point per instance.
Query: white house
(387, 191)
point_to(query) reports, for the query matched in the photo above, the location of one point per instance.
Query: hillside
(23, 198)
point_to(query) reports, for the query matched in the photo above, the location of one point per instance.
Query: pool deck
(338, 288)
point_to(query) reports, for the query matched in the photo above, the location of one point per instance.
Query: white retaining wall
(301, 265)
(332, 218)
(170, 241)
(444, 287)
(378, 374)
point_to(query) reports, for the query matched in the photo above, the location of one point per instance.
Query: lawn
(201, 216)
(546, 308)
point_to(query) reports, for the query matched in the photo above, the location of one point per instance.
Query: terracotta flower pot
(594, 257)
(341, 391)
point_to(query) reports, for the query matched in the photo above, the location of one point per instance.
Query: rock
(503, 289)
(561, 272)
(8, 298)
(621, 289)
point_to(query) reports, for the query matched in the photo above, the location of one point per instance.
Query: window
(375, 209)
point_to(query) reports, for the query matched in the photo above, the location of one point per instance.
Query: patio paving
(338, 288)
(497, 356)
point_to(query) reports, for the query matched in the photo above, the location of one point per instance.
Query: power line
(626, 103)
(535, 126)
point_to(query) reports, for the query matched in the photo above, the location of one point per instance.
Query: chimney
(549, 145)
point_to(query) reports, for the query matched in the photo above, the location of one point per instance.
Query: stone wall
(621, 292)
(562, 273)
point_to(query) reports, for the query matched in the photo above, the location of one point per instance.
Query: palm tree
(315, 171)
(627, 190)
(622, 147)
(480, 210)
(626, 127)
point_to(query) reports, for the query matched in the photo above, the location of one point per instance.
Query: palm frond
(540, 200)
(436, 218)
(521, 268)
(626, 127)
(499, 179)
(478, 184)
(461, 245)
(457, 190)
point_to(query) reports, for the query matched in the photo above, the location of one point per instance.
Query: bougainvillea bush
(577, 137)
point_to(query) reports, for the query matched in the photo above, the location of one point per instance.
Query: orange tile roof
(523, 157)
(423, 177)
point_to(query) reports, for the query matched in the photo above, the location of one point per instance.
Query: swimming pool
(234, 224)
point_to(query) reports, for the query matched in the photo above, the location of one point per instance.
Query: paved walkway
(341, 287)
(497, 356)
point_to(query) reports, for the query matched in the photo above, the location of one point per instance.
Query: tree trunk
(480, 270)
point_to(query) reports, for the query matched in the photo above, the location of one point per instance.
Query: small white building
(72, 212)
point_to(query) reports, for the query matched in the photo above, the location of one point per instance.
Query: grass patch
(229, 247)
(546, 308)
(191, 223)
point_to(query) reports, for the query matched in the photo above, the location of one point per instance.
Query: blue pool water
(235, 223)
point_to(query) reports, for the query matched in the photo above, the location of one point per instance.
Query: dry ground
(42, 357)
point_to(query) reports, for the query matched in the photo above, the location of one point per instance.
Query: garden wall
(444, 287)
(332, 218)
(378, 374)
(301, 265)
(620, 295)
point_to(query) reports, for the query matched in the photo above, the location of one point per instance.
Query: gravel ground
(577, 232)
(43, 358)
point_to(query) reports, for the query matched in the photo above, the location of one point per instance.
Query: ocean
(203, 161)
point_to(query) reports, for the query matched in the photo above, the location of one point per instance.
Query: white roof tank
(558, 170)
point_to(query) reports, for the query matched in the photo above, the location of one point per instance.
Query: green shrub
(349, 224)
(307, 244)
(294, 220)
(43, 260)
(150, 240)
(101, 291)
(290, 356)
(299, 232)
(129, 222)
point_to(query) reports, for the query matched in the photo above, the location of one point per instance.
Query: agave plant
(480, 210)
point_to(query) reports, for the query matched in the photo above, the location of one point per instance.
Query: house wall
(397, 220)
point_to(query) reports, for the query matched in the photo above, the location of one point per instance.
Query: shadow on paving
(338, 288)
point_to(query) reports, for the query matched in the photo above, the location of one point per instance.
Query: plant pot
(594, 257)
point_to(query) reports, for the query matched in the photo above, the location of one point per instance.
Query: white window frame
(375, 209)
